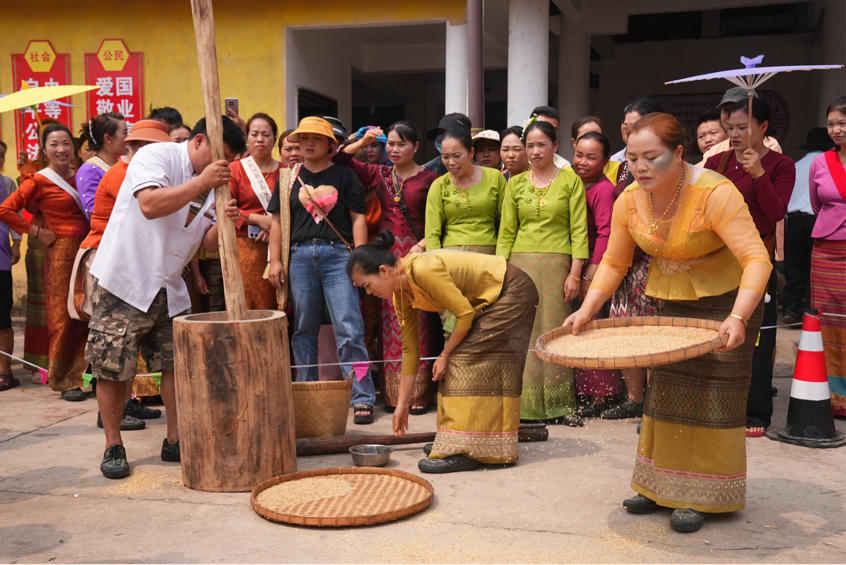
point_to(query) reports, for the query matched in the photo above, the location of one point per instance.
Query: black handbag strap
(407, 214)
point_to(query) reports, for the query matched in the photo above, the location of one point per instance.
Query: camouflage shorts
(118, 332)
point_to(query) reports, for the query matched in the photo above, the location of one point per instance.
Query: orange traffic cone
(810, 422)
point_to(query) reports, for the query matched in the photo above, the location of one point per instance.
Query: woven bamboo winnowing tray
(599, 328)
(371, 501)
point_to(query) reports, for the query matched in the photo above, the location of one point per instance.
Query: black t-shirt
(350, 198)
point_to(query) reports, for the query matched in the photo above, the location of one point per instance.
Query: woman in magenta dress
(592, 152)
(402, 189)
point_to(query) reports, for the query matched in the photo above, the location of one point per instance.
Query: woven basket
(610, 326)
(321, 408)
(369, 503)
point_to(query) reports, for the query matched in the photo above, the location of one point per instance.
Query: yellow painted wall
(250, 43)
(250, 47)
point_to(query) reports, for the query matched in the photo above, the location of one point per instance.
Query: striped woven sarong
(479, 396)
(67, 337)
(36, 342)
(692, 447)
(828, 295)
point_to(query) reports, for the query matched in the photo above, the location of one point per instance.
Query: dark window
(311, 103)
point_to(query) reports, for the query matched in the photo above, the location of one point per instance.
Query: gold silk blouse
(444, 279)
(710, 246)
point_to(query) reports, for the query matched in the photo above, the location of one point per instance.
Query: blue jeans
(318, 271)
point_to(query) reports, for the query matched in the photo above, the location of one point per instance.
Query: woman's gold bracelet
(745, 324)
(574, 278)
(444, 356)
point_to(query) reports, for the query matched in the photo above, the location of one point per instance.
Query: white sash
(257, 181)
(54, 177)
(98, 162)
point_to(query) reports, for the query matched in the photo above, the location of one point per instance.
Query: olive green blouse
(446, 279)
(456, 216)
(544, 220)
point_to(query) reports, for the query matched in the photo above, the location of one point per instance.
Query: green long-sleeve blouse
(559, 226)
(456, 216)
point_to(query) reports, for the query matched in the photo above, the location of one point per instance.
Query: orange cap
(149, 130)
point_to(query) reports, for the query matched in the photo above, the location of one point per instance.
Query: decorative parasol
(32, 96)
(53, 102)
(752, 76)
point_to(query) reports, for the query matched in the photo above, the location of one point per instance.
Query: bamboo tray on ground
(642, 327)
(377, 495)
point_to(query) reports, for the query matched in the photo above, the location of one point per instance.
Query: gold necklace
(541, 191)
(653, 227)
(399, 185)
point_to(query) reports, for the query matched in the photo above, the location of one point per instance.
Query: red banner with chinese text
(120, 75)
(38, 66)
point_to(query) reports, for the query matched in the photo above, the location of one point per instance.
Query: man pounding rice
(161, 215)
(708, 261)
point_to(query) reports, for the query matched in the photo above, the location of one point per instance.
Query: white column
(832, 82)
(528, 57)
(457, 69)
(573, 77)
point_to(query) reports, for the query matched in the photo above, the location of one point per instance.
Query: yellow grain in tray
(291, 493)
(629, 341)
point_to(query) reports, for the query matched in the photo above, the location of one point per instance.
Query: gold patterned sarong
(258, 292)
(66, 336)
(479, 397)
(692, 447)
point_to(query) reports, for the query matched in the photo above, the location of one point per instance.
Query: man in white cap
(486, 144)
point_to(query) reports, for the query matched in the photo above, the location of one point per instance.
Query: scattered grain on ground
(148, 478)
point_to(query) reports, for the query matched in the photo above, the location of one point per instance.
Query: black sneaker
(135, 408)
(115, 465)
(75, 395)
(127, 424)
(170, 452)
(452, 464)
(626, 409)
(687, 520)
(640, 504)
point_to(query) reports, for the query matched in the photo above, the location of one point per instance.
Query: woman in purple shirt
(827, 182)
(766, 179)
(106, 135)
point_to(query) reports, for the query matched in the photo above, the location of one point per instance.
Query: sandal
(418, 411)
(35, 378)
(367, 417)
(756, 431)
(8, 381)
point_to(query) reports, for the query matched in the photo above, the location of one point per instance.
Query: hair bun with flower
(533, 119)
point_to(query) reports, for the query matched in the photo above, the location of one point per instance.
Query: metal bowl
(371, 455)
